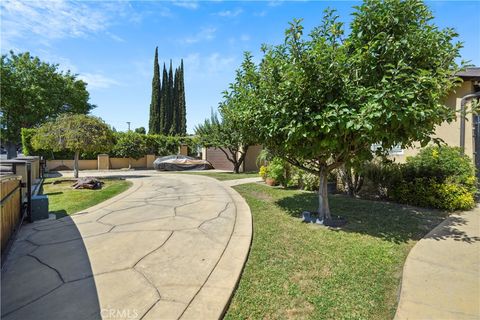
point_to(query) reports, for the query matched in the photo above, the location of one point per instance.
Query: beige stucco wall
(82, 164)
(104, 163)
(450, 132)
(120, 163)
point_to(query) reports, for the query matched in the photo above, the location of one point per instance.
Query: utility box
(39, 207)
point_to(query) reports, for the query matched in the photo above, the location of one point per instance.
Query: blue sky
(111, 44)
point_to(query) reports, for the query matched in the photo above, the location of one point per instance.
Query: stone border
(213, 298)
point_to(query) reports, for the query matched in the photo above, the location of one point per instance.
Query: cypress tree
(164, 102)
(153, 123)
(182, 107)
(175, 109)
(169, 107)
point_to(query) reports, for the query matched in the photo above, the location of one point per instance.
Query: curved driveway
(171, 247)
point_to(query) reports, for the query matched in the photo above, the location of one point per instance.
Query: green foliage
(426, 192)
(34, 91)
(141, 130)
(155, 120)
(168, 106)
(441, 164)
(233, 133)
(263, 172)
(129, 145)
(277, 171)
(325, 98)
(304, 180)
(438, 177)
(27, 135)
(75, 133)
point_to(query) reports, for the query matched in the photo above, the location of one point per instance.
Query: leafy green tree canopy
(141, 130)
(130, 145)
(233, 133)
(34, 91)
(76, 133)
(326, 98)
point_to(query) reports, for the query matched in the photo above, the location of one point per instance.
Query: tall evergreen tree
(164, 102)
(182, 107)
(175, 109)
(153, 123)
(169, 107)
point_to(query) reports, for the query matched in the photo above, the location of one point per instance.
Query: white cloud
(192, 4)
(44, 21)
(229, 13)
(205, 34)
(97, 81)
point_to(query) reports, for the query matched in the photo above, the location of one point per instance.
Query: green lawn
(305, 271)
(223, 175)
(64, 200)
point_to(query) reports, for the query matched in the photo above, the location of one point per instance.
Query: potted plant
(275, 173)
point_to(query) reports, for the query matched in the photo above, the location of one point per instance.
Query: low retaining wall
(104, 162)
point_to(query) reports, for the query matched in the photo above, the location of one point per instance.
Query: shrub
(276, 171)
(263, 172)
(439, 177)
(129, 145)
(441, 164)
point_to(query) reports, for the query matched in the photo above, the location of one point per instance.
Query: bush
(425, 192)
(276, 171)
(263, 172)
(441, 164)
(129, 145)
(304, 180)
(438, 177)
(151, 144)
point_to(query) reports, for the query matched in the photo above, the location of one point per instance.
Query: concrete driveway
(171, 247)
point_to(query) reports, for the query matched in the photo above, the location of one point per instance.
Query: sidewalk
(441, 277)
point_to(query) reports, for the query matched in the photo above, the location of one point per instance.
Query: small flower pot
(306, 217)
(270, 182)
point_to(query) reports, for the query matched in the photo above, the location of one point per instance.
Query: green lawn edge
(305, 271)
(64, 200)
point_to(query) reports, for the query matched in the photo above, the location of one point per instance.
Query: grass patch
(64, 200)
(222, 176)
(305, 271)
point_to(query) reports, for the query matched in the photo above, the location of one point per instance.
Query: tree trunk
(236, 167)
(75, 164)
(129, 163)
(11, 150)
(323, 207)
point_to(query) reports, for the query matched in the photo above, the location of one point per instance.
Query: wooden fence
(11, 207)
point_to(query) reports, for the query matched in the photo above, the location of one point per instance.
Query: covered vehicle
(181, 163)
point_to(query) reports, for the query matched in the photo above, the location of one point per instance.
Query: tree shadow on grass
(389, 221)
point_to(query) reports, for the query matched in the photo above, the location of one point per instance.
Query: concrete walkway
(171, 247)
(441, 277)
(236, 182)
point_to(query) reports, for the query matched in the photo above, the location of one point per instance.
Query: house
(465, 131)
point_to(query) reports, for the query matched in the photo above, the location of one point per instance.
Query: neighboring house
(465, 131)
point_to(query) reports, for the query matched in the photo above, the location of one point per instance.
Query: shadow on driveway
(48, 274)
